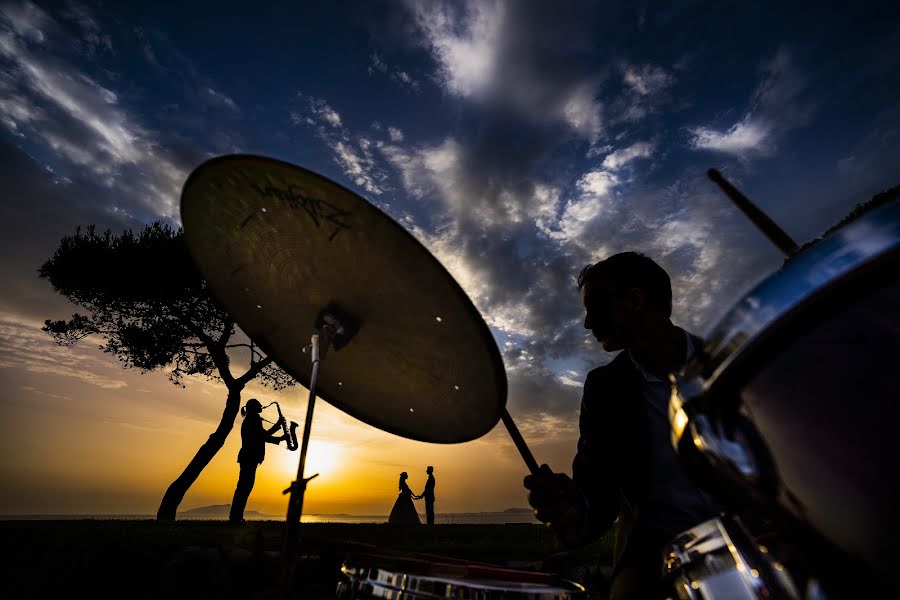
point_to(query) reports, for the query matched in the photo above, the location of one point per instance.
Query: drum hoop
(742, 364)
(369, 569)
(837, 258)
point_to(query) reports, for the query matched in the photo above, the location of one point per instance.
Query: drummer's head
(403, 475)
(624, 296)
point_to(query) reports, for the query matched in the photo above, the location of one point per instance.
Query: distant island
(221, 511)
(218, 511)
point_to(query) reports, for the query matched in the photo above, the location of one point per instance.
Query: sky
(518, 141)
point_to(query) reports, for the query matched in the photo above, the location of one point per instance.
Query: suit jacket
(613, 464)
(428, 494)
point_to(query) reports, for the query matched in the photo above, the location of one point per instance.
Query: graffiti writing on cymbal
(321, 212)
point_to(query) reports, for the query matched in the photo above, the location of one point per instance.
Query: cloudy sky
(517, 140)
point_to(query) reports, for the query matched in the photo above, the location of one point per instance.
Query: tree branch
(254, 370)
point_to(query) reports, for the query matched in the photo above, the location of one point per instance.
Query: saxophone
(290, 436)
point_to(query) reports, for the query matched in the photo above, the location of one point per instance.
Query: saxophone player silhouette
(254, 438)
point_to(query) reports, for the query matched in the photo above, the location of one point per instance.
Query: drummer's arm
(590, 470)
(579, 508)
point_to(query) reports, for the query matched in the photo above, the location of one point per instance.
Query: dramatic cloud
(395, 134)
(352, 153)
(746, 137)
(777, 106)
(522, 56)
(402, 78)
(618, 158)
(79, 119)
(26, 347)
(647, 80)
(518, 140)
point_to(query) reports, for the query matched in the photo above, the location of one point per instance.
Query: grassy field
(213, 559)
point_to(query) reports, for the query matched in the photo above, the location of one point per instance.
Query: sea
(512, 516)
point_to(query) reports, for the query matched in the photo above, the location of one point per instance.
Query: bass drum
(396, 576)
(791, 414)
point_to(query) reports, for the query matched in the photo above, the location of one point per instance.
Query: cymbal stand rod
(298, 488)
(519, 441)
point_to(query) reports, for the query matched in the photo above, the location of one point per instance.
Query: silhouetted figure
(625, 466)
(404, 511)
(254, 438)
(428, 495)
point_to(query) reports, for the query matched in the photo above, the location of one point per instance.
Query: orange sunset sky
(91, 437)
(518, 141)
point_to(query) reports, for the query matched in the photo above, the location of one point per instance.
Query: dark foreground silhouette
(212, 559)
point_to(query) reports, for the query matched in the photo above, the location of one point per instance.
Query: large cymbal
(278, 243)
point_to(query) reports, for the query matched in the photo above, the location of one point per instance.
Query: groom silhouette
(428, 495)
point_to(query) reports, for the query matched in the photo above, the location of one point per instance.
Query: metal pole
(770, 229)
(519, 442)
(298, 487)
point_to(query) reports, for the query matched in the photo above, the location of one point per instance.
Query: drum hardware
(282, 247)
(367, 576)
(334, 327)
(717, 445)
(719, 559)
(787, 418)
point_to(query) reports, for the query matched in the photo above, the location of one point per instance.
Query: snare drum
(428, 577)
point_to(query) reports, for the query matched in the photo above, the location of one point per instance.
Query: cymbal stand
(334, 328)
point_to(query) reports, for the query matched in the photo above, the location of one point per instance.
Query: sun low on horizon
(516, 142)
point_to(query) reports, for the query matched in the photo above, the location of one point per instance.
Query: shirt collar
(649, 377)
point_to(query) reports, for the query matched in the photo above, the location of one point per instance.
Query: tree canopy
(149, 304)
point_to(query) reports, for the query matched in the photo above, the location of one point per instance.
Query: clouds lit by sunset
(518, 141)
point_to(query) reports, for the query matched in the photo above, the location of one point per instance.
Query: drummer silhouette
(625, 467)
(253, 451)
(428, 495)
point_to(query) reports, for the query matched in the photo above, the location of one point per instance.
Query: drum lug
(725, 447)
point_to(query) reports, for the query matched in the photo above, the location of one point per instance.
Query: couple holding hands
(404, 511)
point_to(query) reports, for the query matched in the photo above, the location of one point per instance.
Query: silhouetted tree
(151, 306)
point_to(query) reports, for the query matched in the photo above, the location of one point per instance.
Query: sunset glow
(322, 458)
(517, 143)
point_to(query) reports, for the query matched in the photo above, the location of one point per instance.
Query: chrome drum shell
(790, 414)
(426, 577)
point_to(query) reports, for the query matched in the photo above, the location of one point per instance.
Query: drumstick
(520, 442)
(770, 229)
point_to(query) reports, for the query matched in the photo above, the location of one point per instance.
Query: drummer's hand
(558, 502)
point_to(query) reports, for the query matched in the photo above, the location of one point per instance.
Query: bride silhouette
(404, 511)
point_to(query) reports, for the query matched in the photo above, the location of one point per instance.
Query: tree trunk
(175, 494)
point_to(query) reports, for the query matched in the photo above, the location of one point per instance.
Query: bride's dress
(404, 511)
